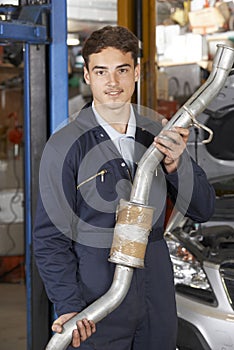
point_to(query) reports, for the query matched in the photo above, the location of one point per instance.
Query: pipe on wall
(185, 116)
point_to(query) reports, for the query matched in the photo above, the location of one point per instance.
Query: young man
(86, 168)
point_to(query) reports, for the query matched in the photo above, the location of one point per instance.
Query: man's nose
(112, 78)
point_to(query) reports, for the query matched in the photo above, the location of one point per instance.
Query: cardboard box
(162, 85)
(174, 47)
(207, 20)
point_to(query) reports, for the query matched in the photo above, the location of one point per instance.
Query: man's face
(111, 76)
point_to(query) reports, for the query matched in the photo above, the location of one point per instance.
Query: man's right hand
(83, 331)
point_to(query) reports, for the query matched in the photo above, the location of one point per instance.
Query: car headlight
(189, 277)
(187, 269)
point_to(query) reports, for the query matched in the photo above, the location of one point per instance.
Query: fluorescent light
(73, 39)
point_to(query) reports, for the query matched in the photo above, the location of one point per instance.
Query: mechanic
(86, 167)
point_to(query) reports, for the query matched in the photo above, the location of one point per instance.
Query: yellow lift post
(128, 16)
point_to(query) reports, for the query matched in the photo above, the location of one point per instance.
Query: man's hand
(172, 144)
(84, 329)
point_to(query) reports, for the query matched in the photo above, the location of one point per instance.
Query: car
(203, 263)
(217, 156)
(203, 254)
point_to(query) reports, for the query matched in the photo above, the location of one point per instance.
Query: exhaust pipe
(184, 117)
(134, 218)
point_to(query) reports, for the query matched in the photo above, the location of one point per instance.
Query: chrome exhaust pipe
(98, 309)
(184, 117)
(130, 255)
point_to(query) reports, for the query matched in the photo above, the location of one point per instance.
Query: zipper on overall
(100, 173)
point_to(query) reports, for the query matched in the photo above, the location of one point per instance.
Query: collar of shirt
(125, 143)
(114, 134)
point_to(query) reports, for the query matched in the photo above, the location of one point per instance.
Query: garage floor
(13, 329)
(12, 316)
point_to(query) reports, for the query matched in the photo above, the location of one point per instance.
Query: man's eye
(123, 70)
(100, 72)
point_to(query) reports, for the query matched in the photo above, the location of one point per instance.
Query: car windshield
(224, 207)
(224, 187)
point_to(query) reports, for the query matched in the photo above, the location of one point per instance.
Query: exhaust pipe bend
(98, 309)
(134, 216)
(184, 117)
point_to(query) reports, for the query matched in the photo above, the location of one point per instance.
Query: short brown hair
(118, 37)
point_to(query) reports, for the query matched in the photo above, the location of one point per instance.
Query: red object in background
(15, 135)
(167, 108)
(12, 269)
(1, 53)
(169, 209)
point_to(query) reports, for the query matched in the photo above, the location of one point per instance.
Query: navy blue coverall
(82, 178)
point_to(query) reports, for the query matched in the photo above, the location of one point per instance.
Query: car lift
(41, 26)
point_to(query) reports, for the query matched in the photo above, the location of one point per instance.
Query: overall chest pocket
(101, 184)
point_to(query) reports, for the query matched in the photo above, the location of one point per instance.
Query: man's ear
(137, 72)
(86, 76)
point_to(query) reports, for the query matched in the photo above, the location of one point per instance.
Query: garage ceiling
(85, 16)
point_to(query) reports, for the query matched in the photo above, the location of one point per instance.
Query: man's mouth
(113, 93)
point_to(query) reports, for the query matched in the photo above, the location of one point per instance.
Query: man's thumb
(57, 327)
